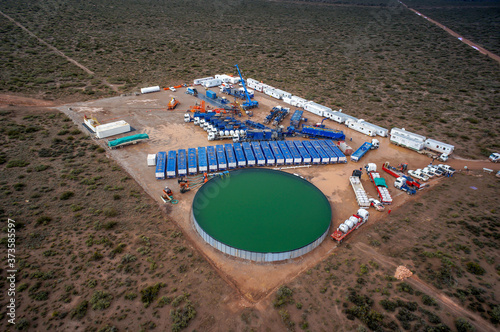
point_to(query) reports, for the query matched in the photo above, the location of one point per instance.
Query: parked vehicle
(436, 170)
(428, 171)
(351, 224)
(400, 183)
(443, 157)
(172, 89)
(418, 174)
(494, 157)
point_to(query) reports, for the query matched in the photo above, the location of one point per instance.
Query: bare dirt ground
(147, 113)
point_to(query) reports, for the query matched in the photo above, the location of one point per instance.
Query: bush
(404, 287)
(475, 268)
(66, 195)
(427, 300)
(110, 212)
(388, 305)
(283, 296)
(19, 186)
(101, 300)
(17, 163)
(130, 296)
(150, 293)
(41, 168)
(182, 316)
(463, 325)
(43, 220)
(81, 310)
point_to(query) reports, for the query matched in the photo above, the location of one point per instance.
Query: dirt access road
(475, 46)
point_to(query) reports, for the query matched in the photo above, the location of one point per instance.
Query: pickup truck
(446, 168)
(494, 157)
(418, 174)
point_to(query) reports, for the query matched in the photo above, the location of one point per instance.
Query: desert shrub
(117, 250)
(463, 325)
(150, 293)
(41, 168)
(16, 163)
(404, 287)
(23, 324)
(182, 316)
(427, 300)
(101, 300)
(128, 258)
(81, 310)
(130, 296)
(475, 268)
(164, 300)
(19, 186)
(388, 305)
(66, 195)
(110, 212)
(43, 220)
(283, 296)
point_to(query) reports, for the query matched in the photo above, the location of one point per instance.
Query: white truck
(375, 144)
(494, 157)
(419, 175)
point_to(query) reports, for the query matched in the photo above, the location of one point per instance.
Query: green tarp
(380, 182)
(127, 139)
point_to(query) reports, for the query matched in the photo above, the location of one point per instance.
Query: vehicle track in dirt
(415, 281)
(58, 52)
(475, 46)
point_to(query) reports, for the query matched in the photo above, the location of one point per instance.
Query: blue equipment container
(270, 160)
(181, 162)
(240, 155)
(296, 118)
(286, 152)
(171, 164)
(202, 159)
(341, 156)
(161, 162)
(259, 155)
(280, 160)
(325, 158)
(361, 151)
(323, 132)
(333, 157)
(306, 157)
(212, 159)
(231, 160)
(221, 157)
(192, 165)
(297, 158)
(211, 94)
(247, 148)
(315, 158)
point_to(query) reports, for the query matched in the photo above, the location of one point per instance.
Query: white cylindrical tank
(226, 132)
(150, 89)
(344, 228)
(231, 132)
(242, 132)
(221, 133)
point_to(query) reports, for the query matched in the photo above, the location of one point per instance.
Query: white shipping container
(111, 129)
(438, 146)
(404, 133)
(381, 131)
(211, 83)
(150, 89)
(151, 160)
(268, 89)
(199, 80)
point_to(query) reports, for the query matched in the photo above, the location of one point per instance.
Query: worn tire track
(56, 51)
(446, 302)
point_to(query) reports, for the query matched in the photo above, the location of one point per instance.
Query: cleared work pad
(261, 215)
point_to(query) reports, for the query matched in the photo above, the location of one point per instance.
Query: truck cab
(444, 157)
(494, 157)
(187, 117)
(375, 144)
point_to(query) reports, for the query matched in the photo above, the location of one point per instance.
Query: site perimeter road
(58, 52)
(475, 46)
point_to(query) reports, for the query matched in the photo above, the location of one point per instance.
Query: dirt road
(475, 46)
(58, 52)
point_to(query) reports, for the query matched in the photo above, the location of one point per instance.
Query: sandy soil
(147, 113)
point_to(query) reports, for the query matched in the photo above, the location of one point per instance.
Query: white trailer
(404, 133)
(408, 142)
(198, 81)
(298, 101)
(211, 83)
(438, 146)
(234, 80)
(361, 126)
(151, 160)
(224, 78)
(286, 94)
(267, 89)
(380, 131)
(277, 93)
(316, 108)
(287, 100)
(359, 191)
(112, 128)
(150, 89)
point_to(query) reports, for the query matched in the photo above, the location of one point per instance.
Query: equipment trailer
(379, 182)
(351, 224)
(396, 173)
(359, 191)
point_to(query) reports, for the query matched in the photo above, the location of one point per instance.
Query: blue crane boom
(249, 103)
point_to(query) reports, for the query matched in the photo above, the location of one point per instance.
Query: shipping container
(315, 158)
(333, 156)
(306, 157)
(198, 81)
(231, 160)
(361, 151)
(297, 158)
(296, 118)
(325, 158)
(212, 159)
(172, 164)
(259, 155)
(247, 149)
(112, 128)
(286, 152)
(211, 94)
(150, 89)
(278, 155)
(341, 156)
(221, 157)
(151, 160)
(181, 162)
(240, 155)
(270, 160)
(192, 164)
(438, 146)
(160, 165)
(202, 159)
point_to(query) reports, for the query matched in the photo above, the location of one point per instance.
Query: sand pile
(402, 273)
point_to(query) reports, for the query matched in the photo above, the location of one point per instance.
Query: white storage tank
(344, 228)
(151, 160)
(111, 129)
(150, 89)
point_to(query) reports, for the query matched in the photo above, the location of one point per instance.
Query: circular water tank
(344, 228)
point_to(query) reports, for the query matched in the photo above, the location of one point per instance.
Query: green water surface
(262, 210)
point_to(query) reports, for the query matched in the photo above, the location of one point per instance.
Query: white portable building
(211, 83)
(150, 89)
(298, 101)
(199, 80)
(267, 89)
(287, 100)
(381, 131)
(407, 142)
(223, 78)
(434, 145)
(286, 94)
(316, 108)
(234, 79)
(151, 160)
(361, 126)
(404, 133)
(255, 85)
(112, 128)
(277, 93)
(340, 117)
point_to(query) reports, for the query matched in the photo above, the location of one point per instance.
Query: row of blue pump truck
(235, 93)
(281, 115)
(255, 125)
(225, 123)
(273, 113)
